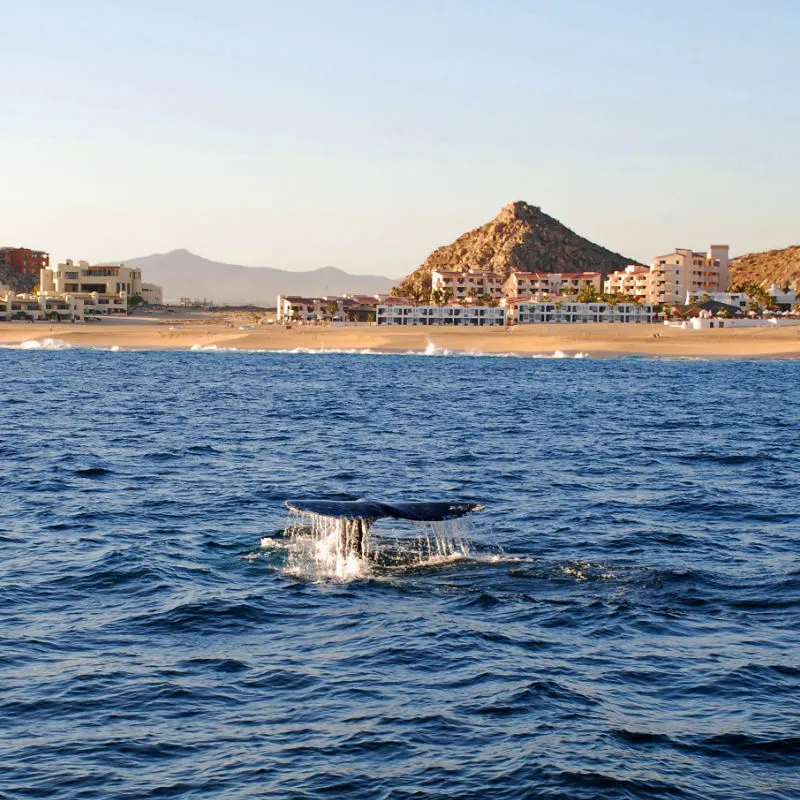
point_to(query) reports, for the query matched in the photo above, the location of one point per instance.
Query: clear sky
(365, 133)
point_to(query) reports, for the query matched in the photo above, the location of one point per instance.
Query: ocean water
(621, 621)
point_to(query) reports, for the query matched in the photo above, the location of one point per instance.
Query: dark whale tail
(355, 517)
(372, 510)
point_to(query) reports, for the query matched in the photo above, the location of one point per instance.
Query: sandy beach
(237, 331)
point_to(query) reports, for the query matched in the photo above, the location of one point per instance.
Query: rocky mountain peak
(520, 238)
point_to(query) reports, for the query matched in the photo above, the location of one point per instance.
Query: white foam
(268, 542)
(44, 344)
(212, 348)
(435, 350)
(431, 350)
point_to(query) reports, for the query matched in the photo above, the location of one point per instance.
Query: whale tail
(372, 509)
(354, 518)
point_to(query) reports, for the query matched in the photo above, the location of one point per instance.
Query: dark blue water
(638, 637)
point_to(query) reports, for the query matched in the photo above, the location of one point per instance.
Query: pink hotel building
(672, 276)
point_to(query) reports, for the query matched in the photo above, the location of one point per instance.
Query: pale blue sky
(365, 134)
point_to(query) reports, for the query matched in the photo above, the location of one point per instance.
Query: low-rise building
(469, 284)
(785, 299)
(553, 284)
(32, 307)
(463, 316)
(152, 294)
(524, 311)
(358, 308)
(293, 308)
(349, 308)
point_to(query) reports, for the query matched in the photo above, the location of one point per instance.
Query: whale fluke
(372, 510)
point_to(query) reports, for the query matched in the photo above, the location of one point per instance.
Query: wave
(212, 348)
(431, 350)
(41, 344)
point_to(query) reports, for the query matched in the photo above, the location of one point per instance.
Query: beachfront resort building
(522, 312)
(552, 284)
(634, 281)
(674, 276)
(463, 316)
(104, 289)
(72, 292)
(468, 285)
(784, 299)
(684, 271)
(32, 308)
(348, 308)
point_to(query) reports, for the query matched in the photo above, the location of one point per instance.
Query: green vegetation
(588, 294)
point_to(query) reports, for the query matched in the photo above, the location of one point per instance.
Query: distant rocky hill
(780, 267)
(184, 274)
(522, 238)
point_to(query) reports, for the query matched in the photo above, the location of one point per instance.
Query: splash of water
(44, 344)
(326, 548)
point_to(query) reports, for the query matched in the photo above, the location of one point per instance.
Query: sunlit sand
(594, 340)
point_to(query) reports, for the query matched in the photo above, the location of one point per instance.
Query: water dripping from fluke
(334, 540)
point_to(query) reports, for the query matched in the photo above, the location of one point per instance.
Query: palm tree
(588, 294)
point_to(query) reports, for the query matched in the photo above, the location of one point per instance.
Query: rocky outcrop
(522, 238)
(16, 281)
(779, 267)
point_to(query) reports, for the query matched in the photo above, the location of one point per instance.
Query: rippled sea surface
(626, 626)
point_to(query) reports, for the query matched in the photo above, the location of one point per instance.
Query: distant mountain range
(184, 274)
(522, 238)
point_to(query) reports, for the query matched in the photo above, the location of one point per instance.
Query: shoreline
(594, 340)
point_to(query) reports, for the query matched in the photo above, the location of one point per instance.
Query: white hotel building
(522, 312)
(463, 316)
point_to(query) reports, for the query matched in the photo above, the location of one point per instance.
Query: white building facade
(32, 307)
(463, 316)
(523, 312)
(293, 308)
(104, 289)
